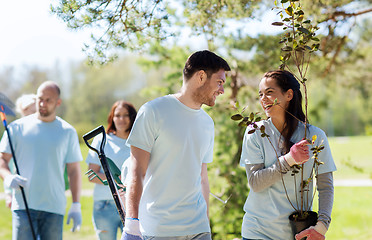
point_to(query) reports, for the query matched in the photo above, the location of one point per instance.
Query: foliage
(222, 26)
(117, 24)
(94, 90)
(227, 179)
(175, 28)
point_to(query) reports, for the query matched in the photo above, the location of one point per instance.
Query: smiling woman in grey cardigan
(267, 207)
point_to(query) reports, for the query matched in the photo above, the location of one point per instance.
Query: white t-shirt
(42, 150)
(267, 212)
(115, 149)
(125, 168)
(179, 140)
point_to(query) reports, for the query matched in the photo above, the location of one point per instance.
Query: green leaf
(289, 11)
(286, 57)
(251, 116)
(277, 24)
(242, 124)
(237, 117)
(299, 49)
(300, 12)
(237, 104)
(251, 131)
(286, 49)
(304, 30)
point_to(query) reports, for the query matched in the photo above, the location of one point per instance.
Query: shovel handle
(92, 134)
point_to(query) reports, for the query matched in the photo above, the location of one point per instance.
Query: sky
(31, 36)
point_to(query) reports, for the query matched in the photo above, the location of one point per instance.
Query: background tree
(167, 31)
(93, 91)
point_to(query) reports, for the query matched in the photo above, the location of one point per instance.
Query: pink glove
(298, 154)
(311, 234)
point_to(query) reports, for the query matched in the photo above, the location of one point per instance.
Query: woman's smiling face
(268, 92)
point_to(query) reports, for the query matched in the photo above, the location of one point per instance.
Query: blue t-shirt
(179, 139)
(42, 150)
(267, 212)
(115, 149)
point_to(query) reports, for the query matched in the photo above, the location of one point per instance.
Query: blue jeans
(46, 225)
(106, 219)
(199, 236)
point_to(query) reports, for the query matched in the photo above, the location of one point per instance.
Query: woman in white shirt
(106, 219)
(267, 208)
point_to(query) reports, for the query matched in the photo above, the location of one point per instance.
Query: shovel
(105, 166)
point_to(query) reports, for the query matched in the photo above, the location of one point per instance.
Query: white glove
(14, 181)
(131, 229)
(75, 214)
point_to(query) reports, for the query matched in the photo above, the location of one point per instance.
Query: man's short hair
(204, 60)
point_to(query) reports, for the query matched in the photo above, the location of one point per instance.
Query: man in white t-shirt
(43, 145)
(171, 143)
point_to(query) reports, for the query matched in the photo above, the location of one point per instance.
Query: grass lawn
(351, 216)
(86, 232)
(356, 151)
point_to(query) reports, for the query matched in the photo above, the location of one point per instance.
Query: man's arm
(140, 160)
(205, 185)
(74, 177)
(4, 160)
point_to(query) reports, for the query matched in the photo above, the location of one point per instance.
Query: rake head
(91, 175)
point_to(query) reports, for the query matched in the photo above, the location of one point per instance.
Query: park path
(338, 183)
(353, 183)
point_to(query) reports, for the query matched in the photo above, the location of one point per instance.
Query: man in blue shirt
(44, 145)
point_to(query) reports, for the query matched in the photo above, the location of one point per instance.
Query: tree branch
(333, 16)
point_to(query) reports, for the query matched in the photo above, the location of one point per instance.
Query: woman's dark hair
(285, 80)
(110, 119)
(204, 60)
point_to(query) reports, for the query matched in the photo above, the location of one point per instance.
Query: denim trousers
(199, 236)
(106, 219)
(46, 225)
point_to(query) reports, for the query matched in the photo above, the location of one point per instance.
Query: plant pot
(301, 223)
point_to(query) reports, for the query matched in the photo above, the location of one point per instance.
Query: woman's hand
(310, 234)
(298, 154)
